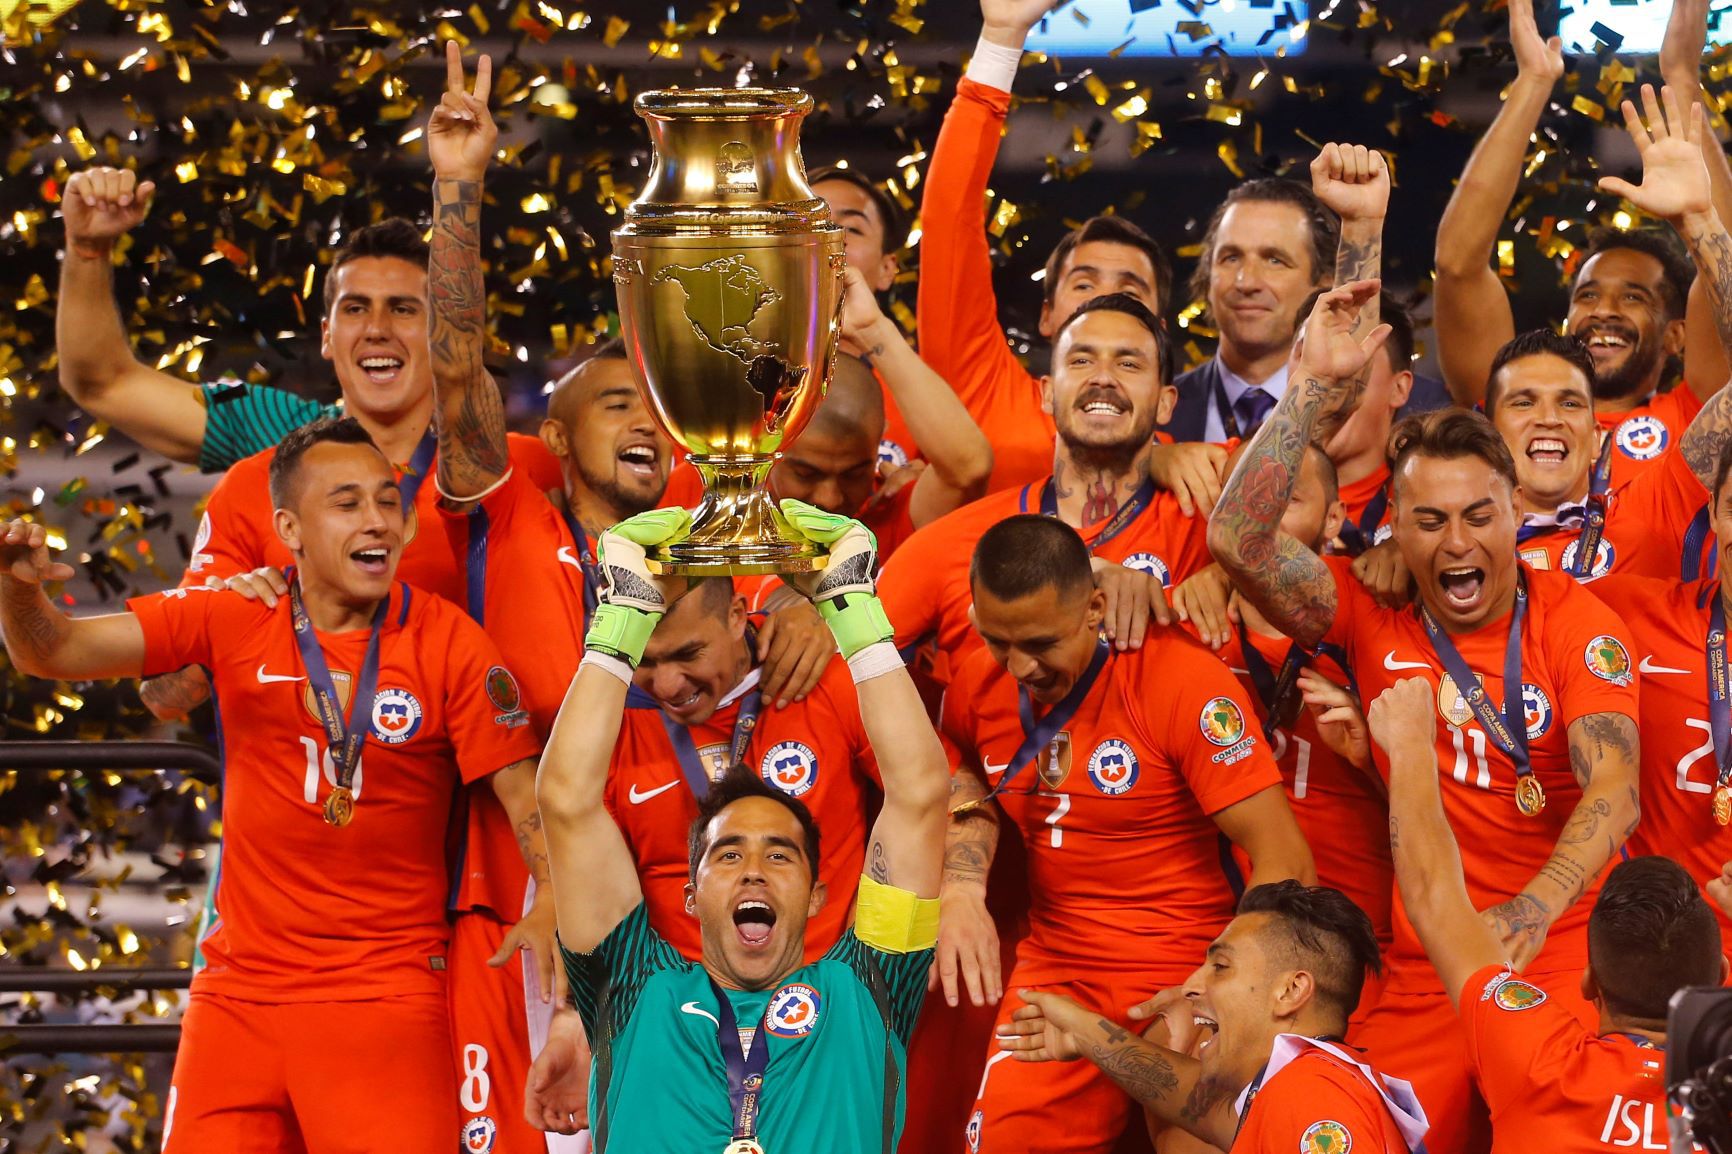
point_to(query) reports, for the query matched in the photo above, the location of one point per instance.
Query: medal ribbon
(1508, 730)
(1036, 736)
(342, 738)
(745, 1069)
(417, 470)
(591, 571)
(1120, 521)
(1719, 698)
(1358, 536)
(1594, 524)
(1274, 689)
(691, 766)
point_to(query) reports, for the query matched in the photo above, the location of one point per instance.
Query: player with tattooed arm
(1534, 678)
(740, 1045)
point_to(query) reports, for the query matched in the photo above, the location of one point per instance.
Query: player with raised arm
(331, 899)
(1124, 766)
(748, 1038)
(1539, 765)
(1552, 1082)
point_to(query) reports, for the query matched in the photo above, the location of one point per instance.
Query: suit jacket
(1196, 392)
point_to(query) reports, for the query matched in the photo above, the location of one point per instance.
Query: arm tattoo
(175, 694)
(32, 625)
(1711, 431)
(971, 839)
(1139, 1067)
(469, 417)
(1202, 1100)
(878, 869)
(527, 829)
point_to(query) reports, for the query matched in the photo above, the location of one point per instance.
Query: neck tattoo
(1100, 501)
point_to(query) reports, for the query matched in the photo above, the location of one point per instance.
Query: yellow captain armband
(894, 920)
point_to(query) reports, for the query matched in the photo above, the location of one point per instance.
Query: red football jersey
(238, 533)
(1320, 1103)
(306, 911)
(1646, 518)
(1124, 865)
(960, 334)
(1553, 1085)
(1668, 623)
(1646, 435)
(925, 588)
(1575, 662)
(1343, 810)
(815, 750)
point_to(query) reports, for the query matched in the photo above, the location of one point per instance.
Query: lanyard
(1720, 709)
(745, 1069)
(1257, 1084)
(1120, 521)
(691, 768)
(1593, 518)
(1036, 736)
(591, 572)
(343, 739)
(1692, 564)
(1359, 536)
(1274, 689)
(1508, 730)
(416, 471)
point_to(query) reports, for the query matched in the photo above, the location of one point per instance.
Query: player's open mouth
(1605, 344)
(374, 561)
(640, 460)
(381, 370)
(1204, 1022)
(1548, 450)
(1102, 403)
(1462, 586)
(753, 921)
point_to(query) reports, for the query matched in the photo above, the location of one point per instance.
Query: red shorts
(312, 1077)
(1420, 1038)
(491, 1033)
(1026, 1107)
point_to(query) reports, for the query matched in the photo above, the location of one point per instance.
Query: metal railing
(55, 1038)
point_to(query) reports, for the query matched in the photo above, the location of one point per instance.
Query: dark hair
(1323, 933)
(1325, 226)
(1138, 311)
(1027, 553)
(1538, 343)
(1650, 935)
(1722, 466)
(286, 462)
(1676, 270)
(612, 349)
(1109, 230)
(392, 237)
(889, 212)
(737, 784)
(1450, 434)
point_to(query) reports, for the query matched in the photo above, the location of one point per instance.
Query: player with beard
(1632, 302)
(1546, 755)
(960, 333)
(1553, 1082)
(674, 1070)
(1127, 766)
(1277, 988)
(333, 887)
(1108, 390)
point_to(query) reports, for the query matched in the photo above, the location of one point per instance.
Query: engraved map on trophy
(722, 300)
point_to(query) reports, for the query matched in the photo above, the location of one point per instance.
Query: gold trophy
(729, 276)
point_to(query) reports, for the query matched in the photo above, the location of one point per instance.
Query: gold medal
(1530, 795)
(1723, 805)
(340, 807)
(743, 1146)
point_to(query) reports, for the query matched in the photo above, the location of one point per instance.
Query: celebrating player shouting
(332, 895)
(1533, 673)
(752, 1035)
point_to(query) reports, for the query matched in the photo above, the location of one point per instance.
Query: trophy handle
(738, 530)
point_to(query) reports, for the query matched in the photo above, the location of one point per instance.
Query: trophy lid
(723, 103)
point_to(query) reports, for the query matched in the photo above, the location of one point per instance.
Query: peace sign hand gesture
(461, 135)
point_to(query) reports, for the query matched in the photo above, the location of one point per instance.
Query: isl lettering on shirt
(1630, 1125)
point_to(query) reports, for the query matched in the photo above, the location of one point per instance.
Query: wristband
(994, 65)
(607, 663)
(620, 631)
(875, 660)
(856, 620)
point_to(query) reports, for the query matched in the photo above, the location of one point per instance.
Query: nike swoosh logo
(570, 558)
(693, 1008)
(1391, 664)
(639, 798)
(267, 678)
(1648, 666)
(986, 764)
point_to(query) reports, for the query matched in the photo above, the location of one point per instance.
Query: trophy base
(737, 531)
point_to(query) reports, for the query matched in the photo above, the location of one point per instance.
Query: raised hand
(1326, 348)
(1353, 180)
(1686, 39)
(103, 204)
(24, 555)
(1674, 175)
(1008, 21)
(1404, 713)
(461, 134)
(860, 309)
(1537, 57)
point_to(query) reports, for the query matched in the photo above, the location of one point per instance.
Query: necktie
(1250, 409)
